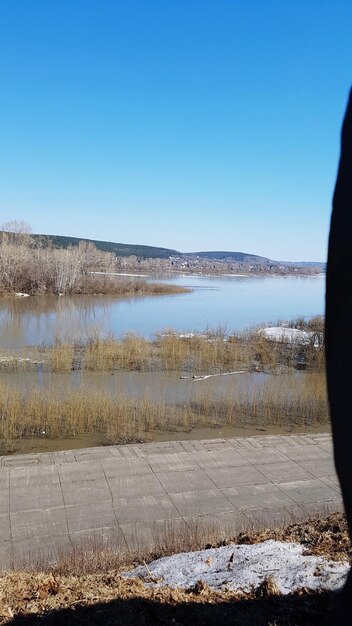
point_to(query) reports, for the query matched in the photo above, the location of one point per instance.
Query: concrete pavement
(127, 495)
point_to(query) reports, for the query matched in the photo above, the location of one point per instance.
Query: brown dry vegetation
(85, 587)
(202, 352)
(279, 401)
(298, 401)
(212, 351)
(27, 266)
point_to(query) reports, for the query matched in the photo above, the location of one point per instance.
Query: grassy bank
(199, 352)
(84, 585)
(120, 287)
(115, 286)
(279, 401)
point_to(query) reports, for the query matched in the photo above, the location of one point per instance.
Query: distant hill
(254, 259)
(120, 249)
(307, 264)
(242, 257)
(153, 252)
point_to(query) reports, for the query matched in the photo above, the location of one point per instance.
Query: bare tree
(67, 267)
(13, 261)
(33, 266)
(17, 226)
(19, 231)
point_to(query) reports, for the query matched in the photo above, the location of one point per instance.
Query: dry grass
(61, 356)
(285, 401)
(199, 352)
(84, 586)
(132, 353)
(110, 600)
(327, 537)
(97, 555)
(116, 286)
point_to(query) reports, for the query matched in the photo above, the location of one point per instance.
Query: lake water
(232, 302)
(167, 387)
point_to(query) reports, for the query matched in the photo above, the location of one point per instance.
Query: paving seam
(144, 521)
(318, 478)
(237, 510)
(112, 503)
(246, 513)
(167, 493)
(300, 506)
(242, 453)
(215, 486)
(266, 479)
(44, 508)
(322, 449)
(42, 537)
(65, 507)
(285, 440)
(12, 552)
(334, 487)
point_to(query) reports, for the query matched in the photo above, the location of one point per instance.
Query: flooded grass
(83, 408)
(170, 351)
(287, 401)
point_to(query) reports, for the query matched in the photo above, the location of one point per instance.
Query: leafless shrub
(283, 401)
(27, 266)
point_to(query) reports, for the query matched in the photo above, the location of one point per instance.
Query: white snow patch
(189, 335)
(286, 334)
(245, 567)
(20, 294)
(120, 274)
(12, 359)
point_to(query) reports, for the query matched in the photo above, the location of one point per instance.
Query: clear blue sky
(190, 124)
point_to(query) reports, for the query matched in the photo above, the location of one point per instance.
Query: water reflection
(168, 387)
(233, 302)
(31, 321)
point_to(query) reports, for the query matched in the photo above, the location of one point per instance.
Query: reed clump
(61, 356)
(209, 352)
(279, 401)
(201, 351)
(131, 353)
(126, 288)
(212, 351)
(100, 353)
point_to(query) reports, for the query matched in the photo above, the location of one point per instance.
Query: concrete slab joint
(126, 495)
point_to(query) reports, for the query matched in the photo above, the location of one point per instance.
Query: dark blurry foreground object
(339, 336)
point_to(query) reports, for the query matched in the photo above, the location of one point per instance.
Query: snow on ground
(286, 334)
(244, 567)
(191, 335)
(120, 274)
